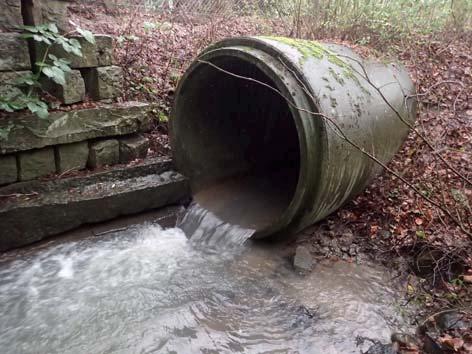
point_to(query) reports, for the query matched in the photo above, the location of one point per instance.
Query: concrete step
(32, 211)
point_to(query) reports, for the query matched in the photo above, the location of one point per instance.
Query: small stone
(105, 152)
(303, 261)
(452, 320)
(324, 240)
(347, 238)
(14, 54)
(134, 147)
(73, 91)
(104, 82)
(404, 340)
(379, 348)
(8, 89)
(353, 250)
(71, 157)
(8, 170)
(36, 163)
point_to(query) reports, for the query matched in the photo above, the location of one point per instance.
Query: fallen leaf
(467, 279)
(453, 343)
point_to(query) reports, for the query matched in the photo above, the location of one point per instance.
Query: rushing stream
(152, 290)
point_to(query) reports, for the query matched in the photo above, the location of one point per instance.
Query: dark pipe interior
(240, 143)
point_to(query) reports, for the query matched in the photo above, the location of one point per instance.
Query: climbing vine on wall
(48, 65)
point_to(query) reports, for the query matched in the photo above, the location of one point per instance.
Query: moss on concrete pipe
(224, 124)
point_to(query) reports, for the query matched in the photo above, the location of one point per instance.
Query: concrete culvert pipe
(271, 131)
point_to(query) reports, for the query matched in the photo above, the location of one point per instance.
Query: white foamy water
(150, 290)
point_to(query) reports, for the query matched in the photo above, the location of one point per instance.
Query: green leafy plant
(49, 65)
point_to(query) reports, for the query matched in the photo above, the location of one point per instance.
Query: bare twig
(338, 131)
(408, 124)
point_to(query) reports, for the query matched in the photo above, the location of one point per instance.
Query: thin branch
(338, 131)
(408, 124)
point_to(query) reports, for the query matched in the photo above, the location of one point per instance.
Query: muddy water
(152, 290)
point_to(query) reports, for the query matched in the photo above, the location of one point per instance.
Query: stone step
(27, 132)
(36, 210)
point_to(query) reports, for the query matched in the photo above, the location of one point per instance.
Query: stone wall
(103, 133)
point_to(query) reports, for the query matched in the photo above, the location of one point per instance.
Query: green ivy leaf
(5, 106)
(39, 38)
(53, 28)
(26, 35)
(55, 74)
(39, 108)
(32, 29)
(27, 79)
(62, 64)
(88, 35)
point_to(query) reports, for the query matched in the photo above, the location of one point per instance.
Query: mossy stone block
(105, 152)
(14, 54)
(71, 157)
(72, 92)
(27, 132)
(8, 169)
(8, 89)
(103, 82)
(40, 12)
(36, 163)
(133, 147)
(10, 18)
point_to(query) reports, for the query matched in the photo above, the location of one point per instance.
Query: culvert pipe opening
(269, 159)
(237, 142)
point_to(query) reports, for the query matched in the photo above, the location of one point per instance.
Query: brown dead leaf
(453, 343)
(467, 279)
(418, 221)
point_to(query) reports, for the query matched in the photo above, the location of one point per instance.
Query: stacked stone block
(93, 74)
(11, 17)
(67, 140)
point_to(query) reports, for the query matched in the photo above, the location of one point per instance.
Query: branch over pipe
(274, 133)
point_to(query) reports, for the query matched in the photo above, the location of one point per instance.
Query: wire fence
(389, 16)
(188, 7)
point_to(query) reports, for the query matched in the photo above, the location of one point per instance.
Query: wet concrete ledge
(38, 209)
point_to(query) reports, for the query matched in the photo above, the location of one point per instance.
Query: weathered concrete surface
(105, 152)
(72, 156)
(133, 147)
(103, 82)
(73, 91)
(7, 83)
(29, 132)
(63, 205)
(93, 55)
(36, 163)
(10, 18)
(14, 54)
(8, 169)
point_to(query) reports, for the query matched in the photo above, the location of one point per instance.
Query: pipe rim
(254, 57)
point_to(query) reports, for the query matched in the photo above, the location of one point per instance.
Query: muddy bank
(429, 281)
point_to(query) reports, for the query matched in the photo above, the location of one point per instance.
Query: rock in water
(303, 261)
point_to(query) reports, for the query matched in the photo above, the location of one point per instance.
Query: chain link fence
(383, 16)
(189, 7)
